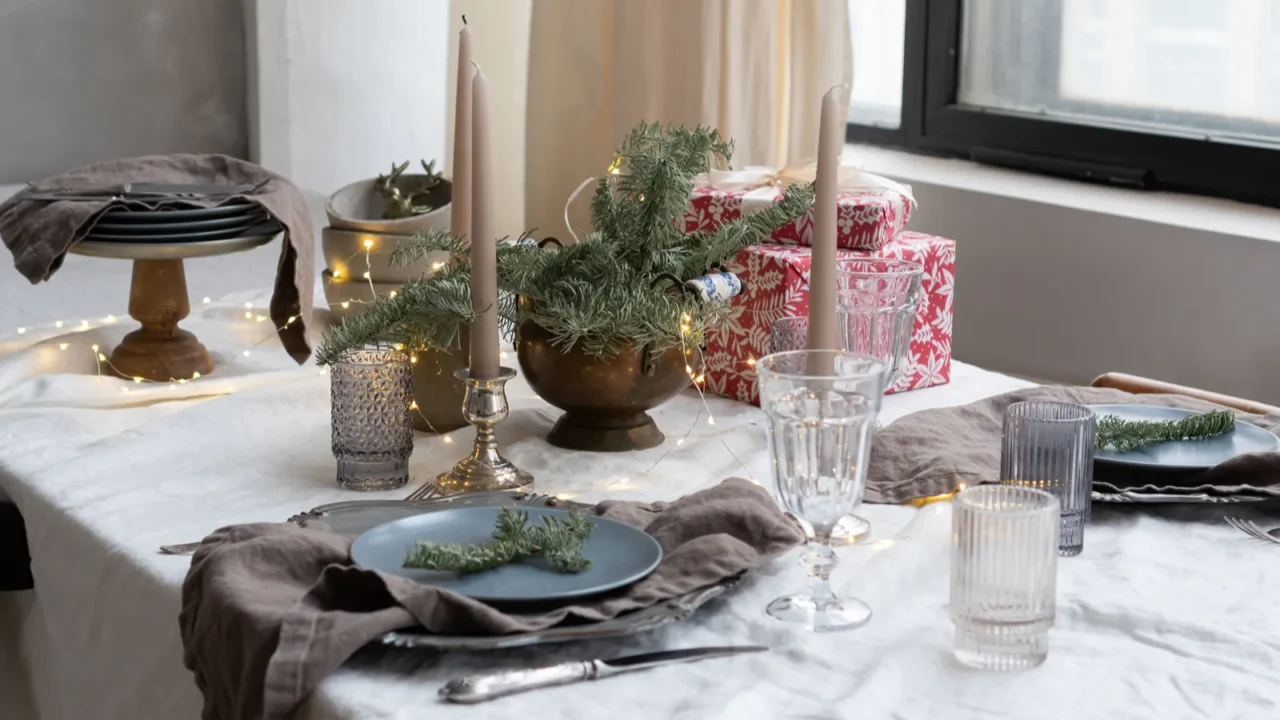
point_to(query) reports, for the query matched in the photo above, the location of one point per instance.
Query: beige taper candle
(822, 267)
(460, 217)
(484, 254)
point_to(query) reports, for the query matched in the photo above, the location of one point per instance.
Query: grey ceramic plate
(352, 517)
(1144, 498)
(619, 555)
(170, 251)
(250, 227)
(177, 214)
(1184, 454)
(182, 226)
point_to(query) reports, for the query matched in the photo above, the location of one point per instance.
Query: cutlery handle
(478, 688)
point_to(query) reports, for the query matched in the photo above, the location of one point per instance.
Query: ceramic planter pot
(437, 392)
(352, 297)
(349, 254)
(604, 399)
(359, 207)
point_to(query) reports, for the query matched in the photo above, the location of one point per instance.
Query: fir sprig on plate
(558, 540)
(1127, 435)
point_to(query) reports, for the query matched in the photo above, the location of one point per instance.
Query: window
(1165, 94)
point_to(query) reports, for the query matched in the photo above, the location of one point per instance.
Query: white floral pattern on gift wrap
(864, 220)
(775, 280)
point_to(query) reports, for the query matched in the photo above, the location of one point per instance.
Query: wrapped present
(871, 209)
(776, 282)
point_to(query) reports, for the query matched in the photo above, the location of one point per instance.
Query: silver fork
(428, 491)
(1252, 529)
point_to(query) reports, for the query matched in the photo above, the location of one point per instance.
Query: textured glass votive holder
(1004, 575)
(370, 393)
(1049, 446)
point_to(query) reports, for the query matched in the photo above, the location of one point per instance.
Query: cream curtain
(754, 69)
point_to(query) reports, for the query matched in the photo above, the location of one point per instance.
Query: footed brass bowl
(604, 399)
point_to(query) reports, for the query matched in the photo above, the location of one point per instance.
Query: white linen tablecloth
(1165, 615)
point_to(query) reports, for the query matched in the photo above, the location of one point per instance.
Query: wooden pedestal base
(160, 350)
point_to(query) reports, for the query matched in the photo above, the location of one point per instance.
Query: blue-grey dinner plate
(178, 213)
(161, 228)
(253, 227)
(1183, 454)
(619, 555)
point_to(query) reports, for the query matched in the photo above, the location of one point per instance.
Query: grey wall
(1064, 294)
(89, 80)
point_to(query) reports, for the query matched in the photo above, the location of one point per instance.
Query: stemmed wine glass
(821, 407)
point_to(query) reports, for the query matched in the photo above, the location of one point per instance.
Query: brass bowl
(604, 399)
(436, 390)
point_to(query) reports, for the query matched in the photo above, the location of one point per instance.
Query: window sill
(1185, 211)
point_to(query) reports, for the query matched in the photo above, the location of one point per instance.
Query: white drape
(754, 69)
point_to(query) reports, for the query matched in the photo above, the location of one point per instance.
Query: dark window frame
(932, 122)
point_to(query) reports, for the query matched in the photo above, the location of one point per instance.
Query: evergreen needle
(558, 540)
(604, 294)
(1127, 435)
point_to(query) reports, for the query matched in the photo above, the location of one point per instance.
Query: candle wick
(464, 18)
(476, 65)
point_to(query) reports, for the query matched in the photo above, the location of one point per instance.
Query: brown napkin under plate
(268, 610)
(932, 452)
(39, 232)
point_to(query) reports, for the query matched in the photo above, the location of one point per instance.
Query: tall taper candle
(484, 253)
(822, 266)
(460, 218)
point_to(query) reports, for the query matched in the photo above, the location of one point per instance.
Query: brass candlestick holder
(484, 470)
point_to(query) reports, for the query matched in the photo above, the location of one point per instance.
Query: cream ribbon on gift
(765, 184)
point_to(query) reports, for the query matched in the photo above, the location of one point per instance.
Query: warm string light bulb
(206, 301)
(21, 330)
(57, 324)
(63, 346)
(368, 244)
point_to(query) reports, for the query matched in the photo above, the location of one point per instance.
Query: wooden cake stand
(160, 350)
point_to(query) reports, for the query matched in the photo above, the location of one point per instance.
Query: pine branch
(558, 540)
(1127, 435)
(599, 295)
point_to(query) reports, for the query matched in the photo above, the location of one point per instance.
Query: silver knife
(478, 688)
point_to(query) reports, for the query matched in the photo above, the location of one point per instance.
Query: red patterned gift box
(776, 280)
(871, 209)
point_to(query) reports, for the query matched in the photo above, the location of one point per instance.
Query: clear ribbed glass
(370, 394)
(792, 333)
(879, 298)
(1049, 446)
(821, 407)
(1004, 575)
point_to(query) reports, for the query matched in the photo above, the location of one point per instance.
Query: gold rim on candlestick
(485, 469)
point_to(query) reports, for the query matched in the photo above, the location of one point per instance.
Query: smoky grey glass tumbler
(1049, 446)
(370, 395)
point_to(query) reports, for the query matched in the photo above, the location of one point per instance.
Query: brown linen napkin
(932, 452)
(269, 610)
(39, 232)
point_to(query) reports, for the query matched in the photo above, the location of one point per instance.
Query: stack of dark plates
(183, 225)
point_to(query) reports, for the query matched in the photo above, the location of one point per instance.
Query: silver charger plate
(174, 251)
(1174, 498)
(619, 555)
(353, 517)
(1183, 454)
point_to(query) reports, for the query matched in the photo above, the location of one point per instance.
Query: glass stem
(819, 559)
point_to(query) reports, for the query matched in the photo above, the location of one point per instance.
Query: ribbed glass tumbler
(1049, 446)
(1004, 575)
(370, 394)
(879, 298)
(821, 407)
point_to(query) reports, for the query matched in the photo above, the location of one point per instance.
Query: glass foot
(850, 530)
(820, 614)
